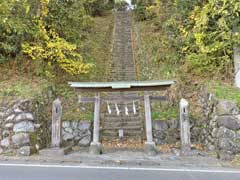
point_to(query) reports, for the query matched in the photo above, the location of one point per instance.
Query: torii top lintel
(155, 85)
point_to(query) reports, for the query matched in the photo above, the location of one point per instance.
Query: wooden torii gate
(142, 86)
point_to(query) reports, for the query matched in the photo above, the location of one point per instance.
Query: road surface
(62, 172)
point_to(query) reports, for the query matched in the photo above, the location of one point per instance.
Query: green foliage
(198, 35)
(14, 23)
(70, 20)
(50, 32)
(57, 53)
(120, 4)
(97, 7)
(168, 113)
(213, 36)
(142, 11)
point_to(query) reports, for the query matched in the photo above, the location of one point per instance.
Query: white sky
(129, 2)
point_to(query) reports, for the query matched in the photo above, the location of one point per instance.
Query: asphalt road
(54, 172)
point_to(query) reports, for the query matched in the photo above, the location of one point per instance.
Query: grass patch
(22, 86)
(226, 92)
(151, 54)
(166, 113)
(97, 46)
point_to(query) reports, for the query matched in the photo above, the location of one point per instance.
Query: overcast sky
(129, 2)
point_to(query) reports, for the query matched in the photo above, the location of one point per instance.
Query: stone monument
(56, 124)
(185, 127)
(56, 137)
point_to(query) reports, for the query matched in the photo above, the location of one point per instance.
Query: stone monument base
(95, 148)
(55, 151)
(150, 148)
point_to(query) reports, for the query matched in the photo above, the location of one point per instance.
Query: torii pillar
(95, 147)
(150, 148)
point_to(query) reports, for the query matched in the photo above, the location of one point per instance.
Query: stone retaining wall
(77, 133)
(21, 133)
(17, 127)
(165, 132)
(222, 132)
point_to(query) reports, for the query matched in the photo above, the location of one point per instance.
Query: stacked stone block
(17, 129)
(221, 129)
(77, 133)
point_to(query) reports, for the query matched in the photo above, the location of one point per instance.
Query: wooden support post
(95, 147)
(56, 124)
(149, 144)
(185, 127)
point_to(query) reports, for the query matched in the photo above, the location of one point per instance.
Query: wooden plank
(108, 89)
(158, 98)
(121, 99)
(86, 100)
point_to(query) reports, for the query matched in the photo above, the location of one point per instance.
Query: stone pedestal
(150, 148)
(95, 148)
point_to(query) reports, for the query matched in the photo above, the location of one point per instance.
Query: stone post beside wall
(56, 123)
(185, 127)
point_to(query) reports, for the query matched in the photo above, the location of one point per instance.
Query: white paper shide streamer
(109, 108)
(126, 110)
(134, 108)
(117, 109)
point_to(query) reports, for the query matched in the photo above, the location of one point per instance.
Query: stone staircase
(123, 69)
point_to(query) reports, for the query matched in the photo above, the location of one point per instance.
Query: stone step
(122, 114)
(124, 118)
(123, 69)
(136, 127)
(115, 133)
(125, 124)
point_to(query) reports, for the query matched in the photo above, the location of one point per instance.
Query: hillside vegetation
(49, 42)
(187, 38)
(48, 37)
(191, 41)
(45, 43)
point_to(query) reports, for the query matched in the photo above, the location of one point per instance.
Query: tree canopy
(196, 34)
(49, 32)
